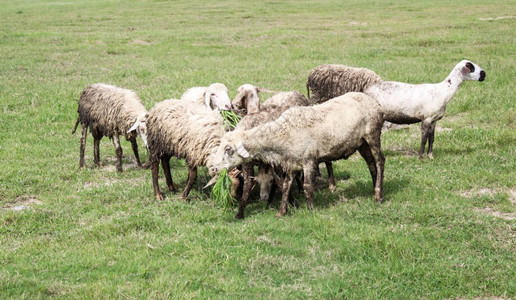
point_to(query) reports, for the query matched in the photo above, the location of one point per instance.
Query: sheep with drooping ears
(303, 136)
(110, 111)
(185, 130)
(215, 96)
(401, 103)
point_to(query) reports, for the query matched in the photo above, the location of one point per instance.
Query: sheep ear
(237, 101)
(465, 70)
(241, 150)
(262, 90)
(134, 127)
(207, 99)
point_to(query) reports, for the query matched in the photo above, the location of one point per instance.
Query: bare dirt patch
(23, 202)
(498, 18)
(491, 192)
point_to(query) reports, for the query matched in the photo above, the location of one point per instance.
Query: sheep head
(230, 154)
(140, 126)
(471, 71)
(216, 97)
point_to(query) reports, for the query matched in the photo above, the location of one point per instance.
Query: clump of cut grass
(221, 190)
(230, 118)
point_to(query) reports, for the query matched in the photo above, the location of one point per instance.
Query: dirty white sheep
(214, 96)
(185, 130)
(303, 136)
(110, 111)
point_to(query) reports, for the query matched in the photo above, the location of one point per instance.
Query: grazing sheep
(303, 136)
(272, 108)
(404, 103)
(214, 96)
(184, 130)
(247, 100)
(110, 111)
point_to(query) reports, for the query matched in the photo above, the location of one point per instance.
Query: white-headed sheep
(214, 96)
(185, 130)
(303, 136)
(110, 111)
(401, 103)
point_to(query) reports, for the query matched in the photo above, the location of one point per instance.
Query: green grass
(447, 229)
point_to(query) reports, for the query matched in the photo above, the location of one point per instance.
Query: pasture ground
(447, 229)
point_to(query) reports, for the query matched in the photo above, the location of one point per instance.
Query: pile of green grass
(231, 119)
(220, 192)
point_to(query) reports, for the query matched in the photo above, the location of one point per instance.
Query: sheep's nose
(482, 76)
(215, 170)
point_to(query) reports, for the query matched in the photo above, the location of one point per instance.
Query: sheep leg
(82, 147)
(247, 173)
(379, 161)
(165, 164)
(309, 173)
(431, 140)
(331, 185)
(192, 176)
(135, 150)
(365, 151)
(96, 146)
(155, 183)
(287, 184)
(118, 150)
(425, 133)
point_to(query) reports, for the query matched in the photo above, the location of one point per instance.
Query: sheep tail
(75, 127)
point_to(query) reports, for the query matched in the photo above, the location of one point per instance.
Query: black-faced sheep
(214, 96)
(110, 111)
(402, 103)
(303, 136)
(185, 130)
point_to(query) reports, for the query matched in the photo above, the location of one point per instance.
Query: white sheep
(402, 103)
(214, 96)
(303, 136)
(110, 111)
(185, 130)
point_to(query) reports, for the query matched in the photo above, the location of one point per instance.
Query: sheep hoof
(332, 188)
(280, 214)
(239, 216)
(159, 197)
(431, 156)
(184, 198)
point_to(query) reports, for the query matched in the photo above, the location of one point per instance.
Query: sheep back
(111, 110)
(332, 80)
(272, 108)
(186, 130)
(326, 132)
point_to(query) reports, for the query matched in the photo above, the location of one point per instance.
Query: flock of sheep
(286, 137)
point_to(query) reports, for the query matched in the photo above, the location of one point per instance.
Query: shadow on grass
(324, 198)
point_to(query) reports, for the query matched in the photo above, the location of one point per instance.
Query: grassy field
(447, 229)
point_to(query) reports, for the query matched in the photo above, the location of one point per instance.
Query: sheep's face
(471, 71)
(216, 97)
(247, 98)
(229, 154)
(140, 125)
(264, 179)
